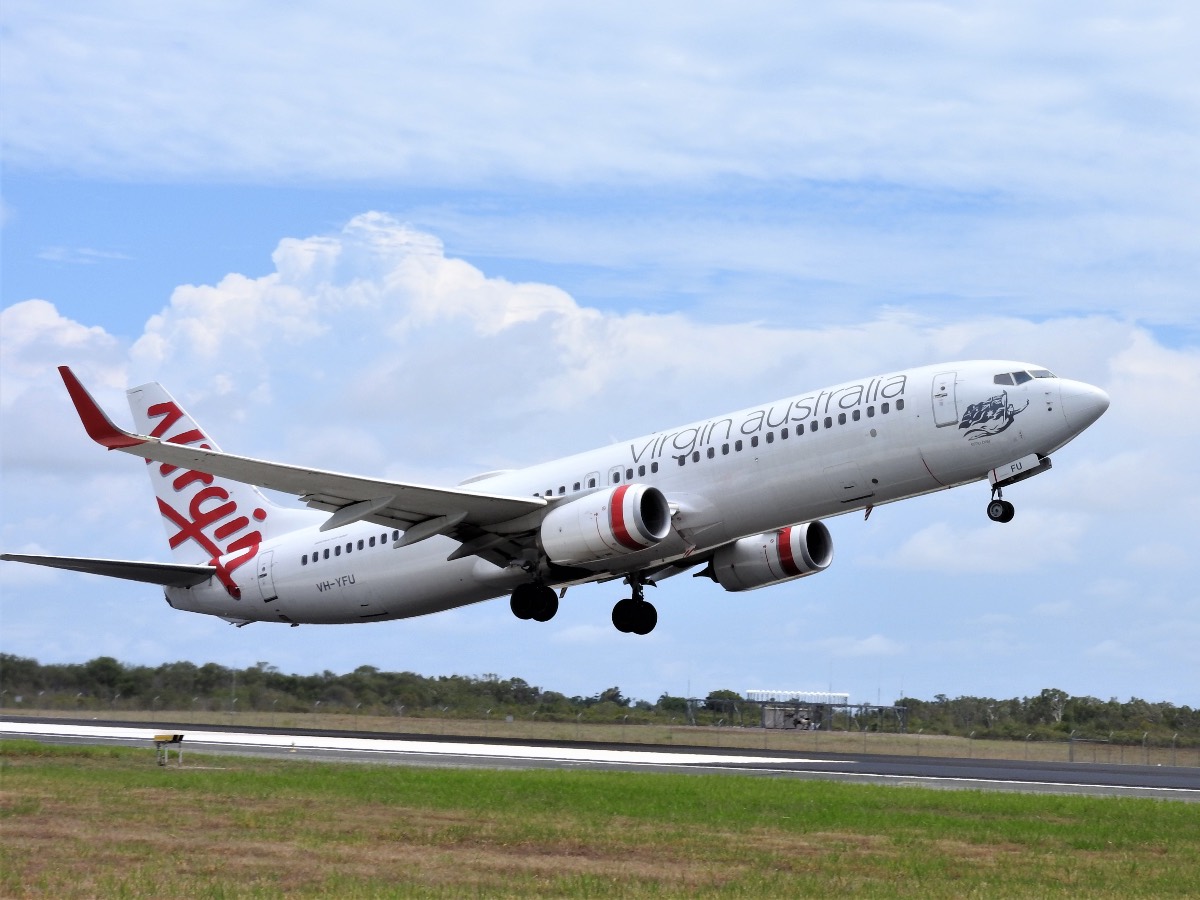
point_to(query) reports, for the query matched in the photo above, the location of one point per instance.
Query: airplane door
(266, 577)
(945, 399)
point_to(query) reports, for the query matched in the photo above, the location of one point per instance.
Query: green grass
(85, 822)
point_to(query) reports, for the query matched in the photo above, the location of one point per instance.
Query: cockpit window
(1022, 377)
(1003, 379)
(1042, 373)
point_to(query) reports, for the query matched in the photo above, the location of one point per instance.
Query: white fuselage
(800, 459)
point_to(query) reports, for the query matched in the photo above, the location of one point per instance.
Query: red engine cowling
(773, 557)
(608, 523)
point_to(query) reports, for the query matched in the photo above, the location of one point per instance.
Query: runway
(1161, 782)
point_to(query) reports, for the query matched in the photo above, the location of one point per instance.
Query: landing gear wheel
(633, 616)
(623, 615)
(545, 604)
(1001, 511)
(534, 601)
(523, 601)
(647, 618)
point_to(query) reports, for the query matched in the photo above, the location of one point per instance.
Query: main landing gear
(634, 615)
(999, 509)
(535, 601)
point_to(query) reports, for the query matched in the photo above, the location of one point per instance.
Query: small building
(803, 710)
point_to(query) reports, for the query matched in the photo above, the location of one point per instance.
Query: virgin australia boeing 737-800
(739, 497)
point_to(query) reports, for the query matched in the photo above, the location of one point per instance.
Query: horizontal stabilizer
(165, 574)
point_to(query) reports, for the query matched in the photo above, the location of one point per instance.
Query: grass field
(100, 822)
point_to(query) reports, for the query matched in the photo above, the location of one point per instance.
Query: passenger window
(1022, 377)
(841, 418)
(783, 434)
(829, 421)
(360, 545)
(395, 535)
(1003, 379)
(629, 474)
(327, 553)
(337, 551)
(870, 412)
(575, 487)
(641, 471)
(770, 437)
(653, 467)
(724, 449)
(899, 405)
(371, 543)
(682, 460)
(695, 456)
(754, 441)
(712, 451)
(304, 560)
(562, 489)
(591, 482)
(316, 556)
(884, 408)
(812, 426)
(856, 415)
(616, 477)
(737, 445)
(800, 430)
(349, 547)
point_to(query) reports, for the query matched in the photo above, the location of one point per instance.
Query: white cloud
(1112, 650)
(80, 255)
(995, 96)
(849, 647)
(34, 336)
(1046, 539)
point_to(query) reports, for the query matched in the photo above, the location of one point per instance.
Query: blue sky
(423, 244)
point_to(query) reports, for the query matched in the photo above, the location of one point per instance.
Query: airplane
(739, 498)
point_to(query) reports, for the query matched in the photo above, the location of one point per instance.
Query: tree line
(105, 683)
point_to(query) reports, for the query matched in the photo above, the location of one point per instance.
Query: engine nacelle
(608, 523)
(773, 557)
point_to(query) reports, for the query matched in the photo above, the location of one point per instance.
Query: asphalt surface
(1162, 782)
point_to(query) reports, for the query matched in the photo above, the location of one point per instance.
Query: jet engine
(772, 557)
(608, 523)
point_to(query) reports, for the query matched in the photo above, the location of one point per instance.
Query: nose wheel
(999, 509)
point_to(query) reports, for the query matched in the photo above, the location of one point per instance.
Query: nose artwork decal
(990, 416)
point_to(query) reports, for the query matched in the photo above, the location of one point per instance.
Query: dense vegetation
(105, 683)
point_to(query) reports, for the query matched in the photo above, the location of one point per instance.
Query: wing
(165, 574)
(481, 521)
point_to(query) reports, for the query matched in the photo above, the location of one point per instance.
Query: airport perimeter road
(1162, 782)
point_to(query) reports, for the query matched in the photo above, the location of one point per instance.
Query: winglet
(98, 426)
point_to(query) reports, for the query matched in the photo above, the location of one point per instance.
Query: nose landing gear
(999, 509)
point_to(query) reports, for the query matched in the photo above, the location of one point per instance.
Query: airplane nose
(1082, 404)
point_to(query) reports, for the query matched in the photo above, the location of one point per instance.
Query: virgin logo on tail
(212, 518)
